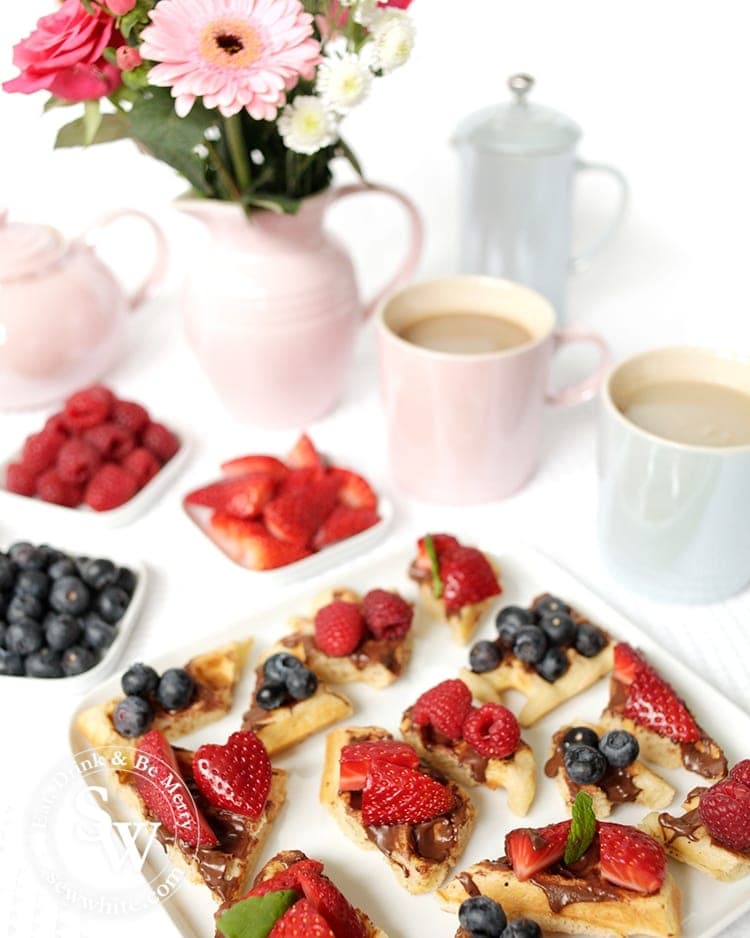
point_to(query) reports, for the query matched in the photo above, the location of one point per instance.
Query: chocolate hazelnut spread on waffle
(371, 651)
(617, 784)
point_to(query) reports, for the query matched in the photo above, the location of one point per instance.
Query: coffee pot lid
(26, 249)
(519, 127)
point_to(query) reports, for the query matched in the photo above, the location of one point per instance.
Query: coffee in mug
(465, 333)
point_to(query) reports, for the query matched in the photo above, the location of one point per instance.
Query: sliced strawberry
(250, 544)
(240, 497)
(529, 850)
(395, 794)
(653, 703)
(356, 759)
(353, 775)
(344, 522)
(329, 902)
(467, 578)
(443, 544)
(627, 663)
(304, 455)
(236, 776)
(295, 516)
(166, 794)
(301, 921)
(257, 465)
(725, 811)
(355, 491)
(286, 879)
(630, 858)
(299, 478)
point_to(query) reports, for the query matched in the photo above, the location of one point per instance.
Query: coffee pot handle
(582, 261)
(416, 238)
(156, 274)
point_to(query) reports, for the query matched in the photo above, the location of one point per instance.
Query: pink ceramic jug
(62, 313)
(272, 308)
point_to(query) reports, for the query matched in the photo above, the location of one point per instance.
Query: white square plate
(364, 876)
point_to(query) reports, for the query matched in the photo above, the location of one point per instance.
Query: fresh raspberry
(40, 450)
(111, 441)
(741, 772)
(110, 487)
(387, 615)
(467, 578)
(445, 707)
(492, 730)
(130, 416)
(142, 465)
(56, 422)
(88, 408)
(19, 479)
(725, 810)
(51, 488)
(339, 628)
(77, 461)
(160, 440)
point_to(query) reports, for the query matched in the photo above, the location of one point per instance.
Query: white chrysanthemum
(365, 11)
(393, 36)
(306, 126)
(343, 82)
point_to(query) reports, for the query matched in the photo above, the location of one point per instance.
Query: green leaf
(281, 204)
(92, 121)
(582, 828)
(53, 102)
(172, 139)
(256, 916)
(437, 583)
(111, 127)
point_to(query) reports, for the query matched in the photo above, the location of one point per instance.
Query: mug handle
(585, 389)
(156, 274)
(416, 238)
(582, 261)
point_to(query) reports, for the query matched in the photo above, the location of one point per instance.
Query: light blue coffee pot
(518, 173)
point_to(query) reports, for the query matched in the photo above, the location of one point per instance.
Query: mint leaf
(582, 828)
(256, 916)
(437, 583)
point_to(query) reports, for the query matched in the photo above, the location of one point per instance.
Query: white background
(660, 89)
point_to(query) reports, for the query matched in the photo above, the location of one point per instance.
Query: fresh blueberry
(27, 557)
(51, 554)
(62, 567)
(484, 656)
(554, 664)
(70, 594)
(99, 573)
(559, 628)
(7, 572)
(530, 644)
(98, 634)
(126, 580)
(80, 563)
(3, 630)
(11, 663)
(44, 663)
(584, 765)
(619, 748)
(24, 637)
(33, 582)
(112, 603)
(522, 928)
(482, 917)
(77, 659)
(301, 684)
(61, 631)
(580, 736)
(550, 606)
(279, 666)
(24, 606)
(271, 695)
(133, 716)
(4, 603)
(589, 640)
(509, 620)
(140, 680)
(176, 689)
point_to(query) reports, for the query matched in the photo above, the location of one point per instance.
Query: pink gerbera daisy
(232, 53)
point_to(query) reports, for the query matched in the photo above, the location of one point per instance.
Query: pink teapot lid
(25, 248)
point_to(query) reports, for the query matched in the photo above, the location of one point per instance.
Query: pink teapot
(62, 312)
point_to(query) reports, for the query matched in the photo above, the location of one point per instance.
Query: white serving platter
(364, 876)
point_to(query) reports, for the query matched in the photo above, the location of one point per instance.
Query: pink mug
(465, 428)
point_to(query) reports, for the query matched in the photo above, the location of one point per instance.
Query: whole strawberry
(236, 776)
(725, 811)
(387, 615)
(492, 730)
(339, 628)
(445, 707)
(467, 578)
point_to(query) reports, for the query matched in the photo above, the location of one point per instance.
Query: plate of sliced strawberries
(289, 517)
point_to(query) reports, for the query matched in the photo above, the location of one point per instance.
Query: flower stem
(223, 174)
(236, 144)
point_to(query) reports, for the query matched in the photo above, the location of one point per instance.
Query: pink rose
(120, 7)
(128, 58)
(64, 55)
(401, 4)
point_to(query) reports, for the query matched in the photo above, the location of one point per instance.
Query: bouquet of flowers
(244, 98)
